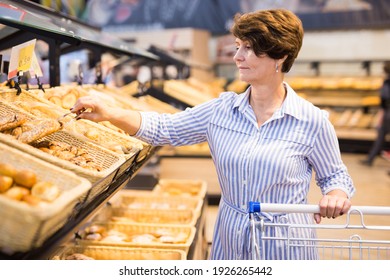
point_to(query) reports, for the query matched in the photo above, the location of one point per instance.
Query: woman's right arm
(93, 109)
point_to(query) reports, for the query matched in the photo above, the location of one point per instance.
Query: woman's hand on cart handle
(332, 205)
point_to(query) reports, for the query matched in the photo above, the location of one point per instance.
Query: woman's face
(251, 68)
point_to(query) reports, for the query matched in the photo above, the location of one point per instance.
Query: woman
(264, 142)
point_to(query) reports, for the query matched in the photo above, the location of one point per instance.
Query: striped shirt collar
(290, 105)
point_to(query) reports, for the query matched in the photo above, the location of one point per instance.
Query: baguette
(11, 121)
(44, 128)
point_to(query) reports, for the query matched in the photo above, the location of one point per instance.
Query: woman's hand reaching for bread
(93, 109)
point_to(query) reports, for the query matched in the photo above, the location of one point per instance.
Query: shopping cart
(350, 238)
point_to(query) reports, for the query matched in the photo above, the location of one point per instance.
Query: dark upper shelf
(22, 20)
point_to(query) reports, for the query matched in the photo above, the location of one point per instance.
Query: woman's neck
(266, 99)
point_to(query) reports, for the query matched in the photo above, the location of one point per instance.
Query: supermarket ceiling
(216, 15)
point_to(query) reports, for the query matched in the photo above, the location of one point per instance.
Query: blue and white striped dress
(272, 163)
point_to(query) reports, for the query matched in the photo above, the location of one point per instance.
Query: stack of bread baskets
(157, 224)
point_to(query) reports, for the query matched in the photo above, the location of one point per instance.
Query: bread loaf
(11, 121)
(44, 128)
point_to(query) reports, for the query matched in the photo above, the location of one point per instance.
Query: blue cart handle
(254, 207)
(257, 207)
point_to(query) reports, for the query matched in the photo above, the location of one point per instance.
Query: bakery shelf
(27, 223)
(63, 35)
(82, 212)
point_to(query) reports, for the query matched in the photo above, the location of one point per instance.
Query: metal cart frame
(353, 247)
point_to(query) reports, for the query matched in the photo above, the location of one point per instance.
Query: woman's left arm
(331, 174)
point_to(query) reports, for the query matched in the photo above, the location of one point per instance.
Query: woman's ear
(281, 60)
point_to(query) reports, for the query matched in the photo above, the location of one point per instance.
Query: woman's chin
(243, 79)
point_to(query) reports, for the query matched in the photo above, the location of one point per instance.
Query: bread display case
(118, 156)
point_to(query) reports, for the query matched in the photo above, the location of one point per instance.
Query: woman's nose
(238, 56)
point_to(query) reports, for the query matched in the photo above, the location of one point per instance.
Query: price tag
(21, 58)
(25, 58)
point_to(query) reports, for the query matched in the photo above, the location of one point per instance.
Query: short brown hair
(276, 32)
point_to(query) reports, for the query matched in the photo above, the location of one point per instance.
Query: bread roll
(25, 177)
(17, 192)
(30, 199)
(46, 191)
(68, 100)
(92, 134)
(7, 170)
(17, 131)
(5, 183)
(56, 100)
(95, 229)
(78, 256)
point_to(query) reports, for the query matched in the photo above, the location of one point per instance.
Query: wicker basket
(181, 188)
(107, 134)
(131, 229)
(10, 95)
(112, 98)
(121, 253)
(131, 200)
(167, 217)
(24, 227)
(143, 147)
(107, 160)
(104, 136)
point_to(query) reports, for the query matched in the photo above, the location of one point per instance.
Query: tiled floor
(372, 184)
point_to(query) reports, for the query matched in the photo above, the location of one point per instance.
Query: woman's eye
(246, 47)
